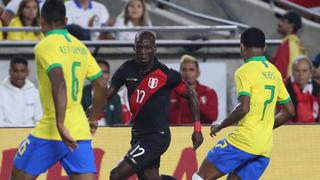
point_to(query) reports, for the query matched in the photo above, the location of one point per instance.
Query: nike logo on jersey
(131, 79)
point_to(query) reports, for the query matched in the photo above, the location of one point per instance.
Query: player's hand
(197, 140)
(88, 111)
(93, 127)
(215, 127)
(66, 137)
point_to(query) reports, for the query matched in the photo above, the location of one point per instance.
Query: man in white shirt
(87, 13)
(19, 99)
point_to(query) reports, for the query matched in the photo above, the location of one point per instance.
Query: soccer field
(295, 153)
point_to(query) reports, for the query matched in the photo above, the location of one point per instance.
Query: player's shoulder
(164, 68)
(45, 44)
(204, 88)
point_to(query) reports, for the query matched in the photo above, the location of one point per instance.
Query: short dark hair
(253, 37)
(19, 60)
(53, 11)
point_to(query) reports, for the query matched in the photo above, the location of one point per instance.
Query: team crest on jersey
(152, 83)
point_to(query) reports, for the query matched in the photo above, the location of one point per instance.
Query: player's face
(189, 72)
(301, 73)
(145, 50)
(30, 10)
(316, 75)
(284, 26)
(18, 74)
(105, 71)
(135, 9)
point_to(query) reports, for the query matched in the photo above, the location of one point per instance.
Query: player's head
(18, 71)
(302, 71)
(53, 15)
(145, 47)
(189, 69)
(105, 68)
(289, 23)
(252, 43)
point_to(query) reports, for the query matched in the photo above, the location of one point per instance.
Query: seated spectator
(207, 97)
(112, 113)
(291, 47)
(133, 15)
(12, 9)
(19, 99)
(87, 13)
(303, 91)
(27, 15)
(316, 69)
(1, 34)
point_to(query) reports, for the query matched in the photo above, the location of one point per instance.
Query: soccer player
(245, 153)
(149, 84)
(63, 132)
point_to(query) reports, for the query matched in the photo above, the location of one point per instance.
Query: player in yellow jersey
(245, 153)
(63, 133)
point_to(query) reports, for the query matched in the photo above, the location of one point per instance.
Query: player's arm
(287, 112)
(234, 117)
(59, 94)
(191, 97)
(101, 95)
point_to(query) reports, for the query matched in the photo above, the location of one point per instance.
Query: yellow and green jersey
(61, 49)
(260, 80)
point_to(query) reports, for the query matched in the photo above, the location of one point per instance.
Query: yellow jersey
(260, 80)
(22, 35)
(61, 49)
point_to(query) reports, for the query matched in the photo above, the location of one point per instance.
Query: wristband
(197, 126)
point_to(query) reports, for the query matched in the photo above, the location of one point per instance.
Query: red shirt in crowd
(208, 103)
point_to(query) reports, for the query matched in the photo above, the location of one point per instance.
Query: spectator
(303, 91)
(291, 47)
(207, 97)
(133, 15)
(1, 34)
(19, 99)
(12, 9)
(27, 15)
(112, 113)
(87, 13)
(316, 69)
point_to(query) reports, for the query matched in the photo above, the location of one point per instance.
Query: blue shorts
(36, 156)
(227, 158)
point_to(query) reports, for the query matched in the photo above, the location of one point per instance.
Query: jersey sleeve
(118, 77)
(94, 70)
(176, 83)
(283, 95)
(47, 58)
(243, 84)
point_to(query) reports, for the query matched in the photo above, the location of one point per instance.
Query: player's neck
(146, 68)
(53, 28)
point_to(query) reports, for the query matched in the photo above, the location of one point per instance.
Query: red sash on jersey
(147, 87)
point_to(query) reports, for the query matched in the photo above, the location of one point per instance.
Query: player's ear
(264, 49)
(65, 21)
(242, 47)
